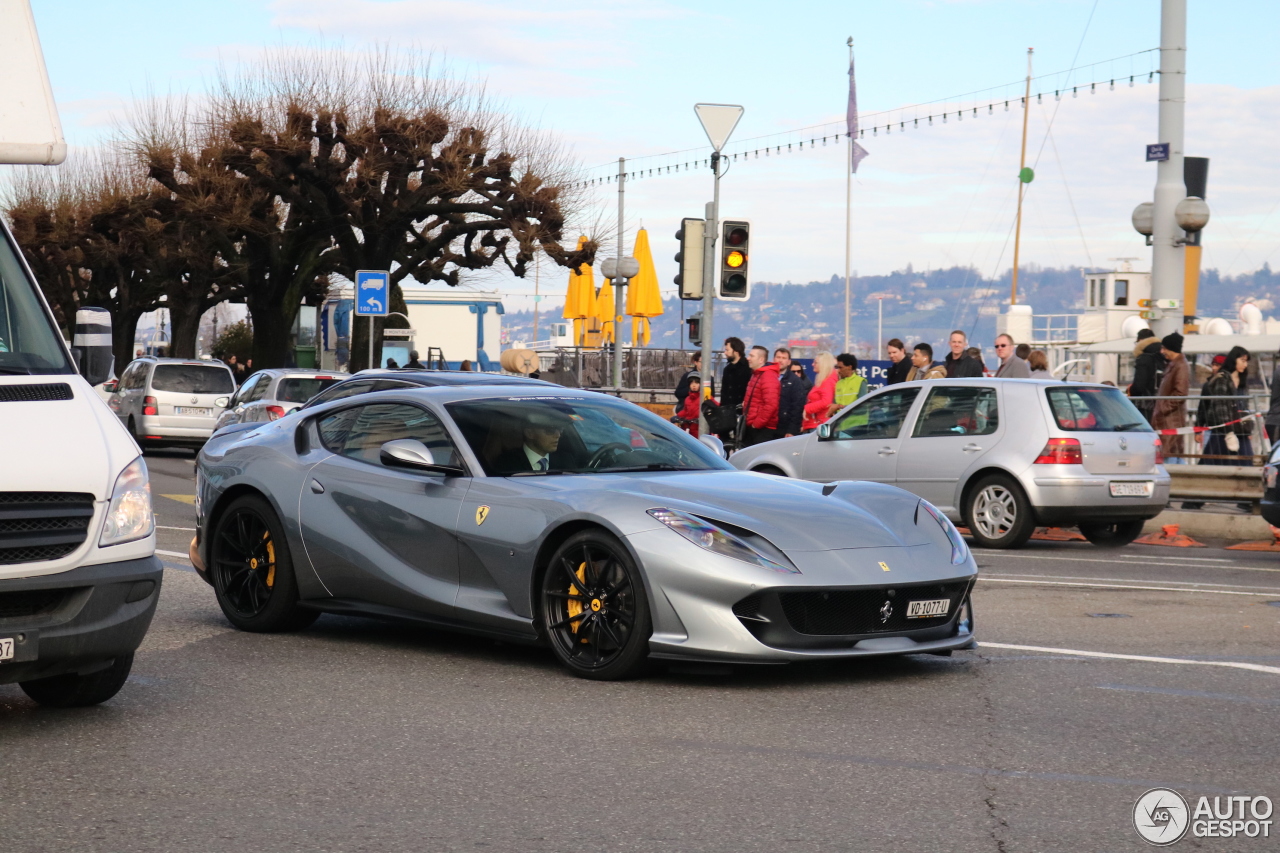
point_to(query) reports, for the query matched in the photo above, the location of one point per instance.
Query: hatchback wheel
(594, 610)
(998, 513)
(252, 570)
(1112, 534)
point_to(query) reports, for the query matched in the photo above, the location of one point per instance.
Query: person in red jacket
(823, 393)
(760, 404)
(687, 417)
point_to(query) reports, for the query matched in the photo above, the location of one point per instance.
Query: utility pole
(618, 281)
(1023, 180)
(848, 218)
(1167, 261)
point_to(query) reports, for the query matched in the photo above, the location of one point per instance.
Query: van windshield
(192, 379)
(29, 342)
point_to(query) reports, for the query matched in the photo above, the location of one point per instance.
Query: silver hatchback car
(172, 401)
(271, 394)
(997, 455)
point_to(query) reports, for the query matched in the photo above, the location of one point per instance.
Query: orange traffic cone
(1058, 534)
(1169, 535)
(1264, 545)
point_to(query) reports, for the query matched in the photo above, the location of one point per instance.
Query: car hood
(75, 445)
(795, 515)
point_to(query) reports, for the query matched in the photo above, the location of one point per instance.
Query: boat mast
(1022, 181)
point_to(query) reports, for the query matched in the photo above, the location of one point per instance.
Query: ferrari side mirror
(410, 453)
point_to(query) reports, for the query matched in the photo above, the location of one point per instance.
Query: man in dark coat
(901, 364)
(1148, 369)
(540, 450)
(737, 373)
(793, 395)
(1171, 413)
(958, 363)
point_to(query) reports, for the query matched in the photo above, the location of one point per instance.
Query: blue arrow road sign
(373, 293)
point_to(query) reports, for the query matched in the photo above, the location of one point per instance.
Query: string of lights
(901, 119)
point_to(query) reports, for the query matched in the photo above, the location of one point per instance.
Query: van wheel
(1111, 534)
(998, 513)
(72, 690)
(133, 432)
(770, 470)
(252, 570)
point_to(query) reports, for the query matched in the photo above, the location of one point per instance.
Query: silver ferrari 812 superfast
(568, 518)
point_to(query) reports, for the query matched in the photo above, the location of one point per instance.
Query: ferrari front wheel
(594, 610)
(252, 571)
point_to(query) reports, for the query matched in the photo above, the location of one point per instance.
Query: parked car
(998, 455)
(386, 379)
(271, 394)
(172, 401)
(441, 506)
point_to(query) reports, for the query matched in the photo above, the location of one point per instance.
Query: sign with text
(373, 293)
(1157, 151)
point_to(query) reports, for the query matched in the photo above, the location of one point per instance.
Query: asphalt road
(356, 735)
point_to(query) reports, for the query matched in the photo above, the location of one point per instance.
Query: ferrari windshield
(530, 436)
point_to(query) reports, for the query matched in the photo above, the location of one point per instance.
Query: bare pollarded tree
(367, 162)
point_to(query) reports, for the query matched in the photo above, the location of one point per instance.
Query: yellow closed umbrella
(579, 303)
(604, 311)
(643, 297)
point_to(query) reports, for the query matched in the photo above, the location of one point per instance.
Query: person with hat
(1148, 370)
(1171, 413)
(541, 432)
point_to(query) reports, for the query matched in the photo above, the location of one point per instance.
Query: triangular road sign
(718, 120)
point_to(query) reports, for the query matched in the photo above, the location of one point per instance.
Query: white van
(79, 579)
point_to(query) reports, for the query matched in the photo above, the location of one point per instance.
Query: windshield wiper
(652, 466)
(539, 473)
(15, 371)
(1126, 427)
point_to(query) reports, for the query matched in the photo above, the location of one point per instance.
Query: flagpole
(848, 217)
(1022, 185)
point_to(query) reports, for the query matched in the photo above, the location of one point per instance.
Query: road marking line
(1191, 694)
(1120, 562)
(1124, 586)
(186, 557)
(186, 499)
(188, 529)
(1230, 664)
(1265, 589)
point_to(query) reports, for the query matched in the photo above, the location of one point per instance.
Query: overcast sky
(620, 79)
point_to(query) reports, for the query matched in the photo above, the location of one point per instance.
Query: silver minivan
(271, 394)
(997, 455)
(172, 401)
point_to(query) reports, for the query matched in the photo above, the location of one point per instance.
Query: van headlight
(706, 535)
(129, 515)
(959, 550)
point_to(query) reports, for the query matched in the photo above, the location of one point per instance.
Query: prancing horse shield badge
(884, 566)
(482, 512)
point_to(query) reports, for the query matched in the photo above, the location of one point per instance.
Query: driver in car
(540, 451)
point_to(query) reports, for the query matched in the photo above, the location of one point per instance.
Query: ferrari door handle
(970, 447)
(316, 486)
(887, 451)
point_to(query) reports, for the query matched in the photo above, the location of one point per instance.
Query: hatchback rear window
(301, 389)
(1095, 410)
(192, 379)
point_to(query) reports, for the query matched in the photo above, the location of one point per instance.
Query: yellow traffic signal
(734, 283)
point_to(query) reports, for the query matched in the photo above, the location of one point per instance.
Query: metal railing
(580, 367)
(1256, 403)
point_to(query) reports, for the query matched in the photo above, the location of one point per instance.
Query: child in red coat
(687, 417)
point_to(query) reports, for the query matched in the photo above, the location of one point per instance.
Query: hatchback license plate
(927, 609)
(187, 410)
(1132, 490)
(6, 648)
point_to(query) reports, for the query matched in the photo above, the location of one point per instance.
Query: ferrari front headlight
(959, 550)
(129, 514)
(706, 535)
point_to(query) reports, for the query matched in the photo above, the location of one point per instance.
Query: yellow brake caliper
(271, 561)
(575, 607)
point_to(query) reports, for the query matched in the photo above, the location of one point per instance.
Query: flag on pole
(851, 119)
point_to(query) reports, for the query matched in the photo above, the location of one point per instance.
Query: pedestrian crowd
(763, 398)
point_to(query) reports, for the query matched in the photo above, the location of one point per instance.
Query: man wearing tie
(541, 432)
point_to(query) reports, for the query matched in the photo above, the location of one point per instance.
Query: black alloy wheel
(252, 571)
(594, 610)
(1113, 534)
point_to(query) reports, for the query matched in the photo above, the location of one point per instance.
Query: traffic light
(689, 279)
(734, 253)
(695, 329)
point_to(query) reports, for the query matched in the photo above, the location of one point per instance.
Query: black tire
(771, 470)
(1114, 534)
(133, 432)
(998, 513)
(78, 691)
(594, 610)
(252, 571)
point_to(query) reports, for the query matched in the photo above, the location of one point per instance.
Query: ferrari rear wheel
(252, 571)
(594, 609)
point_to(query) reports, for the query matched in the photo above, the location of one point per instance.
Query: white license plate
(187, 410)
(925, 609)
(6, 648)
(1132, 490)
